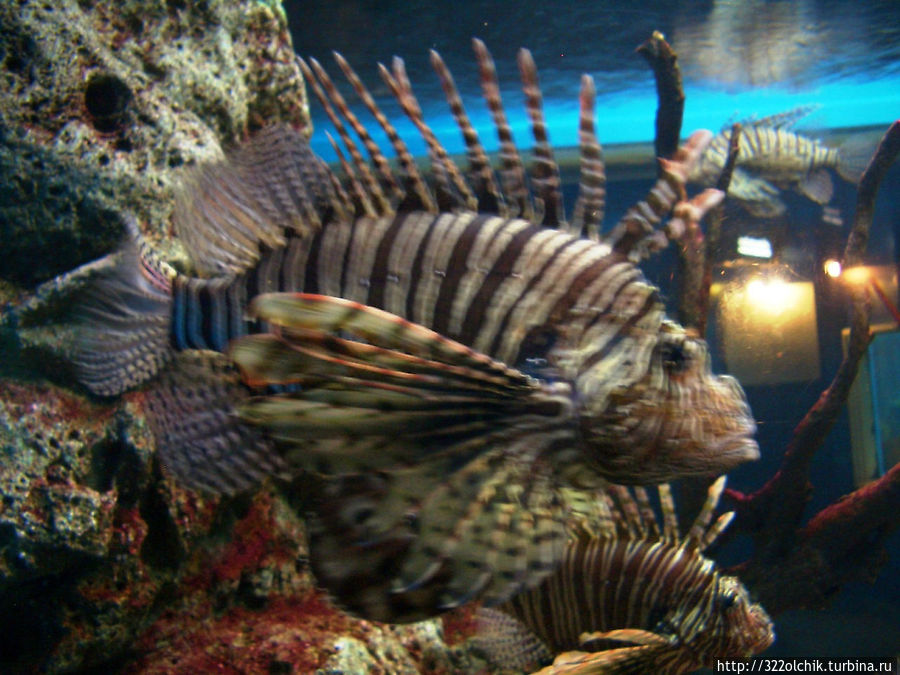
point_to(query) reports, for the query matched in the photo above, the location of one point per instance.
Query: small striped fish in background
(630, 598)
(433, 360)
(772, 157)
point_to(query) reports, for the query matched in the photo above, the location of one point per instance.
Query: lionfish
(631, 598)
(433, 361)
(771, 156)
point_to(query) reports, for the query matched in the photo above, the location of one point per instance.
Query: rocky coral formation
(102, 101)
(104, 562)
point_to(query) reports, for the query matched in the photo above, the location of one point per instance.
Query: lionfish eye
(727, 601)
(674, 358)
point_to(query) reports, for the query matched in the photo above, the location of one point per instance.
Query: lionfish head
(672, 418)
(742, 628)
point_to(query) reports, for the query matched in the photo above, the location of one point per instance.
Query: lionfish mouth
(737, 448)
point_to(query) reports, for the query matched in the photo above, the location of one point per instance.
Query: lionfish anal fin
(199, 438)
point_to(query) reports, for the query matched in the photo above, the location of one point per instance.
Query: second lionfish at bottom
(432, 363)
(630, 597)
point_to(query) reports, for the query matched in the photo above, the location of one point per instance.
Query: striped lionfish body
(628, 598)
(436, 360)
(771, 156)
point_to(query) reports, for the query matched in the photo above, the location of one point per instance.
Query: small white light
(754, 247)
(833, 268)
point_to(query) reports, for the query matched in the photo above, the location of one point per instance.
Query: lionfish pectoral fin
(478, 518)
(635, 636)
(475, 448)
(623, 661)
(496, 523)
(361, 371)
(200, 440)
(757, 195)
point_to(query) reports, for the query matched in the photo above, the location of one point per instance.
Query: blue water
(739, 60)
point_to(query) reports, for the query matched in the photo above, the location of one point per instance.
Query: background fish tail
(853, 157)
(126, 313)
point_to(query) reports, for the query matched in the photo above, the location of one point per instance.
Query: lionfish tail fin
(853, 157)
(126, 318)
(200, 440)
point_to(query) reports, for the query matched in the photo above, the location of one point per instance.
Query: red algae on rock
(288, 635)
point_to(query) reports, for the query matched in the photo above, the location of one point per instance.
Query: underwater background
(740, 60)
(107, 566)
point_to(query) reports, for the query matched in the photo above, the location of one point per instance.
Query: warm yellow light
(833, 268)
(857, 275)
(768, 330)
(773, 294)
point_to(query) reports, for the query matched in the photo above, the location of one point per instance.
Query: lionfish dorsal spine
(375, 154)
(357, 195)
(512, 172)
(590, 205)
(481, 174)
(669, 515)
(702, 535)
(371, 185)
(716, 529)
(630, 235)
(648, 517)
(416, 187)
(545, 172)
(460, 194)
(634, 525)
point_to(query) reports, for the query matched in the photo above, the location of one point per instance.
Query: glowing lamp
(881, 280)
(832, 268)
(767, 326)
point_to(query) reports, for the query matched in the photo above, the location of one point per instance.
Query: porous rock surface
(105, 563)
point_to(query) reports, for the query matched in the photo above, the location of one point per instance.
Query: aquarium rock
(101, 103)
(104, 562)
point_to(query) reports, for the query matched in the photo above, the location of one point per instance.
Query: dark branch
(842, 543)
(773, 513)
(664, 63)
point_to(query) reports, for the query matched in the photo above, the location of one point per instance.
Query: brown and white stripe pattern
(630, 576)
(483, 280)
(772, 151)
